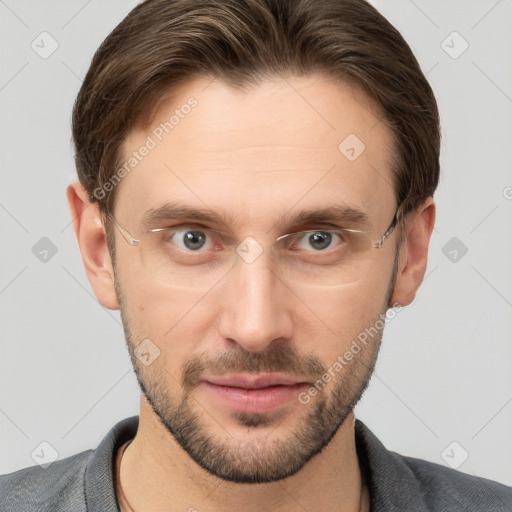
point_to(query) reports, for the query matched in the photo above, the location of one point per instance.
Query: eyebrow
(338, 213)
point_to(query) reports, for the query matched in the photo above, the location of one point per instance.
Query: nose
(256, 306)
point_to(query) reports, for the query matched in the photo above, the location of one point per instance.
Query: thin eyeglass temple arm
(392, 226)
(125, 234)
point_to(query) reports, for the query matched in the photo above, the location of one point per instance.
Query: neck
(157, 474)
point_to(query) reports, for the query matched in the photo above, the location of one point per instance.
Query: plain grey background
(442, 390)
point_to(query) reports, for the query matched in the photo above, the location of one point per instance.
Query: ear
(93, 245)
(412, 261)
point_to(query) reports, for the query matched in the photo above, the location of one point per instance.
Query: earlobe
(413, 253)
(93, 245)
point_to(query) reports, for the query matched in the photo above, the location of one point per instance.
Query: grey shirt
(85, 481)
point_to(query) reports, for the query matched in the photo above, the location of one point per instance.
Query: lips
(254, 393)
(248, 381)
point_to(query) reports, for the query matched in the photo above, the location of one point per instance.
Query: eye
(191, 240)
(317, 240)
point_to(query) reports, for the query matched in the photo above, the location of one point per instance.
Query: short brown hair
(163, 43)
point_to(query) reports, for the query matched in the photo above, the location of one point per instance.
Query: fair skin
(261, 155)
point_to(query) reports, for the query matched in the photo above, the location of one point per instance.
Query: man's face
(259, 157)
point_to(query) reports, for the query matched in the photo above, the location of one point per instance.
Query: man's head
(266, 118)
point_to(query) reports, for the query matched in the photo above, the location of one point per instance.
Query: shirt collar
(392, 484)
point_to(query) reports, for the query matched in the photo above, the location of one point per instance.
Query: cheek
(177, 321)
(341, 314)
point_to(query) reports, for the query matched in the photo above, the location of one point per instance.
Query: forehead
(297, 142)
